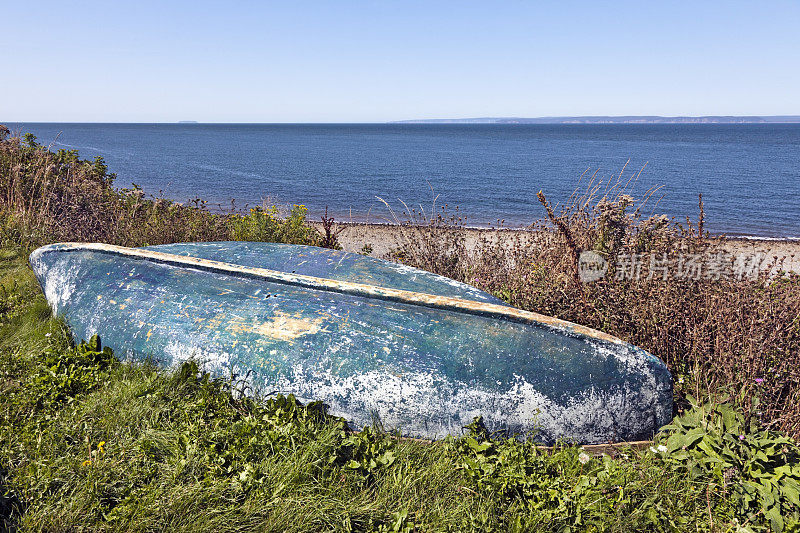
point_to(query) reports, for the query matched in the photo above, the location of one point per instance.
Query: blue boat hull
(371, 339)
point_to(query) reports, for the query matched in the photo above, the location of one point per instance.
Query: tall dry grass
(720, 337)
(48, 196)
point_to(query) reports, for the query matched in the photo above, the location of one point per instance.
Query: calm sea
(749, 175)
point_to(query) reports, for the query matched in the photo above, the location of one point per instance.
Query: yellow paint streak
(281, 326)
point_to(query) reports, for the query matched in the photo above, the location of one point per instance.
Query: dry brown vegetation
(736, 336)
(50, 196)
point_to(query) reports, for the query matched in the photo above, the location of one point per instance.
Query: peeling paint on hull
(369, 338)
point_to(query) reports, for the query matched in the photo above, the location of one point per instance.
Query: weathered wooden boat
(370, 338)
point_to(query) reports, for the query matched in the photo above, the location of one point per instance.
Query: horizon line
(774, 119)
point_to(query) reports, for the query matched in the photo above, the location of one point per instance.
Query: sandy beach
(384, 238)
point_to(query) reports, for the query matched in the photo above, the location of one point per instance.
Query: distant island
(187, 122)
(711, 119)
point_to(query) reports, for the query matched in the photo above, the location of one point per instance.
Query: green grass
(91, 443)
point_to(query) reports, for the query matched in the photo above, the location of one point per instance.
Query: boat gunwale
(447, 303)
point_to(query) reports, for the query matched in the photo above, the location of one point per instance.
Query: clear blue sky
(338, 61)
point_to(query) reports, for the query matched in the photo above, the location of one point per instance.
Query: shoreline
(729, 237)
(383, 238)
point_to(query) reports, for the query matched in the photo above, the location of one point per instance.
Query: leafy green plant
(365, 452)
(757, 469)
(398, 523)
(65, 374)
(565, 487)
(30, 140)
(265, 225)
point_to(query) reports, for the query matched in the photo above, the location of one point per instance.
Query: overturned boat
(422, 353)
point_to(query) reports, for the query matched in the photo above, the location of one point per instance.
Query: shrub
(65, 374)
(50, 196)
(265, 225)
(757, 470)
(714, 334)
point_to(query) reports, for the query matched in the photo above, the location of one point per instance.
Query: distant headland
(711, 119)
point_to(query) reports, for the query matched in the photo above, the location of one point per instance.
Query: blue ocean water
(749, 174)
